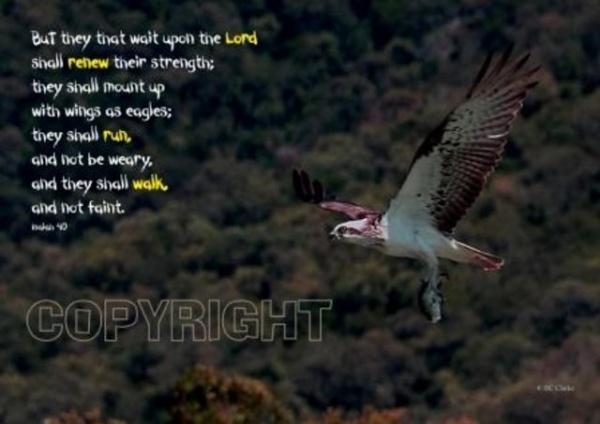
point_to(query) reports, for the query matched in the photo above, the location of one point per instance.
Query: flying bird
(446, 175)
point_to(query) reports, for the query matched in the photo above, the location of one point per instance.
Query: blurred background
(346, 90)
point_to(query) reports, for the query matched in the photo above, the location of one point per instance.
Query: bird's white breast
(400, 239)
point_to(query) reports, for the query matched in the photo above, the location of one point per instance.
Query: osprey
(445, 177)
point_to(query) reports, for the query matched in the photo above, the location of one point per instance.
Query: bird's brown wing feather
(452, 164)
(312, 191)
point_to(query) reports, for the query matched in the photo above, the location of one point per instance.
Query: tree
(205, 396)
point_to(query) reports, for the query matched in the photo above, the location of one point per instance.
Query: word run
(78, 136)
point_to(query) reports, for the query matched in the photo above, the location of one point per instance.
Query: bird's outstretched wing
(312, 191)
(452, 164)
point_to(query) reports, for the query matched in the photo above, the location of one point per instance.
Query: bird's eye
(342, 230)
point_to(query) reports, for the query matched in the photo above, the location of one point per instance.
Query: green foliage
(203, 396)
(369, 416)
(346, 90)
(73, 417)
(493, 358)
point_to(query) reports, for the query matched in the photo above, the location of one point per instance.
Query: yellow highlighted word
(118, 136)
(154, 183)
(87, 63)
(242, 38)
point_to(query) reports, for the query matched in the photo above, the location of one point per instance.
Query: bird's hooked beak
(333, 235)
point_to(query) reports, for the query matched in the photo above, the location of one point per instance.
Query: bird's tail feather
(485, 260)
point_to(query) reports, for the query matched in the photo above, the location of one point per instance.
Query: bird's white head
(363, 232)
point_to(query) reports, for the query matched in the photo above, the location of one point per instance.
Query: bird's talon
(431, 299)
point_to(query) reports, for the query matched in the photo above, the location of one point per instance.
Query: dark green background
(346, 90)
